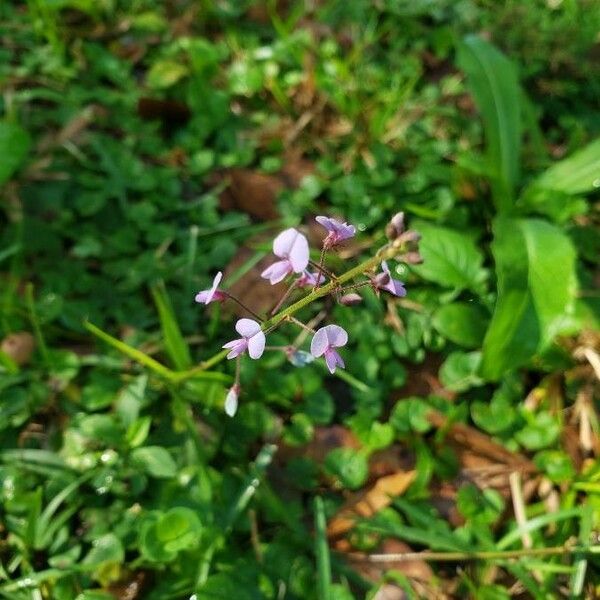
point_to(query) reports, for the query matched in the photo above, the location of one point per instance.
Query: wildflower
(338, 231)
(292, 247)
(323, 343)
(212, 294)
(253, 339)
(384, 281)
(308, 279)
(231, 400)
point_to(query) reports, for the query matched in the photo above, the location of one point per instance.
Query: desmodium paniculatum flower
(253, 340)
(212, 294)
(325, 341)
(385, 281)
(311, 286)
(337, 231)
(292, 247)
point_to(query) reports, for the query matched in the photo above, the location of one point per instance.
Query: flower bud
(231, 400)
(408, 237)
(350, 299)
(395, 227)
(411, 258)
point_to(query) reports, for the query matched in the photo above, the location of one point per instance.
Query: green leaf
(107, 548)
(460, 371)
(492, 79)
(535, 266)
(542, 431)
(175, 345)
(576, 174)
(462, 323)
(348, 466)
(155, 461)
(14, 145)
(449, 258)
(165, 73)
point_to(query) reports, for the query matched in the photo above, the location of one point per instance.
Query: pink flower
(338, 231)
(212, 294)
(292, 247)
(308, 279)
(231, 400)
(323, 343)
(253, 339)
(384, 281)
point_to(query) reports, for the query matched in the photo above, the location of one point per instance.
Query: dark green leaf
(535, 265)
(450, 258)
(462, 323)
(493, 81)
(14, 145)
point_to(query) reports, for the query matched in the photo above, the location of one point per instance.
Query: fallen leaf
(370, 502)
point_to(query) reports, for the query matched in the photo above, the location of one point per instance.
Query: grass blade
(322, 552)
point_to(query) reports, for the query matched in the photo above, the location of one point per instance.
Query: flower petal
(256, 345)
(319, 342)
(299, 254)
(283, 243)
(336, 336)
(326, 222)
(207, 296)
(237, 347)
(277, 271)
(395, 287)
(247, 327)
(333, 360)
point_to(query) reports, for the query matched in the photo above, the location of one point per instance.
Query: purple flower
(384, 281)
(253, 339)
(338, 231)
(212, 294)
(308, 279)
(292, 247)
(323, 343)
(231, 400)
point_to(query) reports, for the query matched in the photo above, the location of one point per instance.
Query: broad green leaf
(576, 174)
(175, 345)
(14, 145)
(535, 266)
(462, 323)
(450, 259)
(492, 79)
(155, 461)
(459, 371)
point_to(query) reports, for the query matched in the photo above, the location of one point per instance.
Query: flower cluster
(293, 260)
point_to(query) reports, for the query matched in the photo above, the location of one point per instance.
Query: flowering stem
(284, 298)
(386, 253)
(232, 297)
(300, 324)
(354, 286)
(320, 267)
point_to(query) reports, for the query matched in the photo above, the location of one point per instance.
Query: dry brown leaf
(370, 502)
(19, 346)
